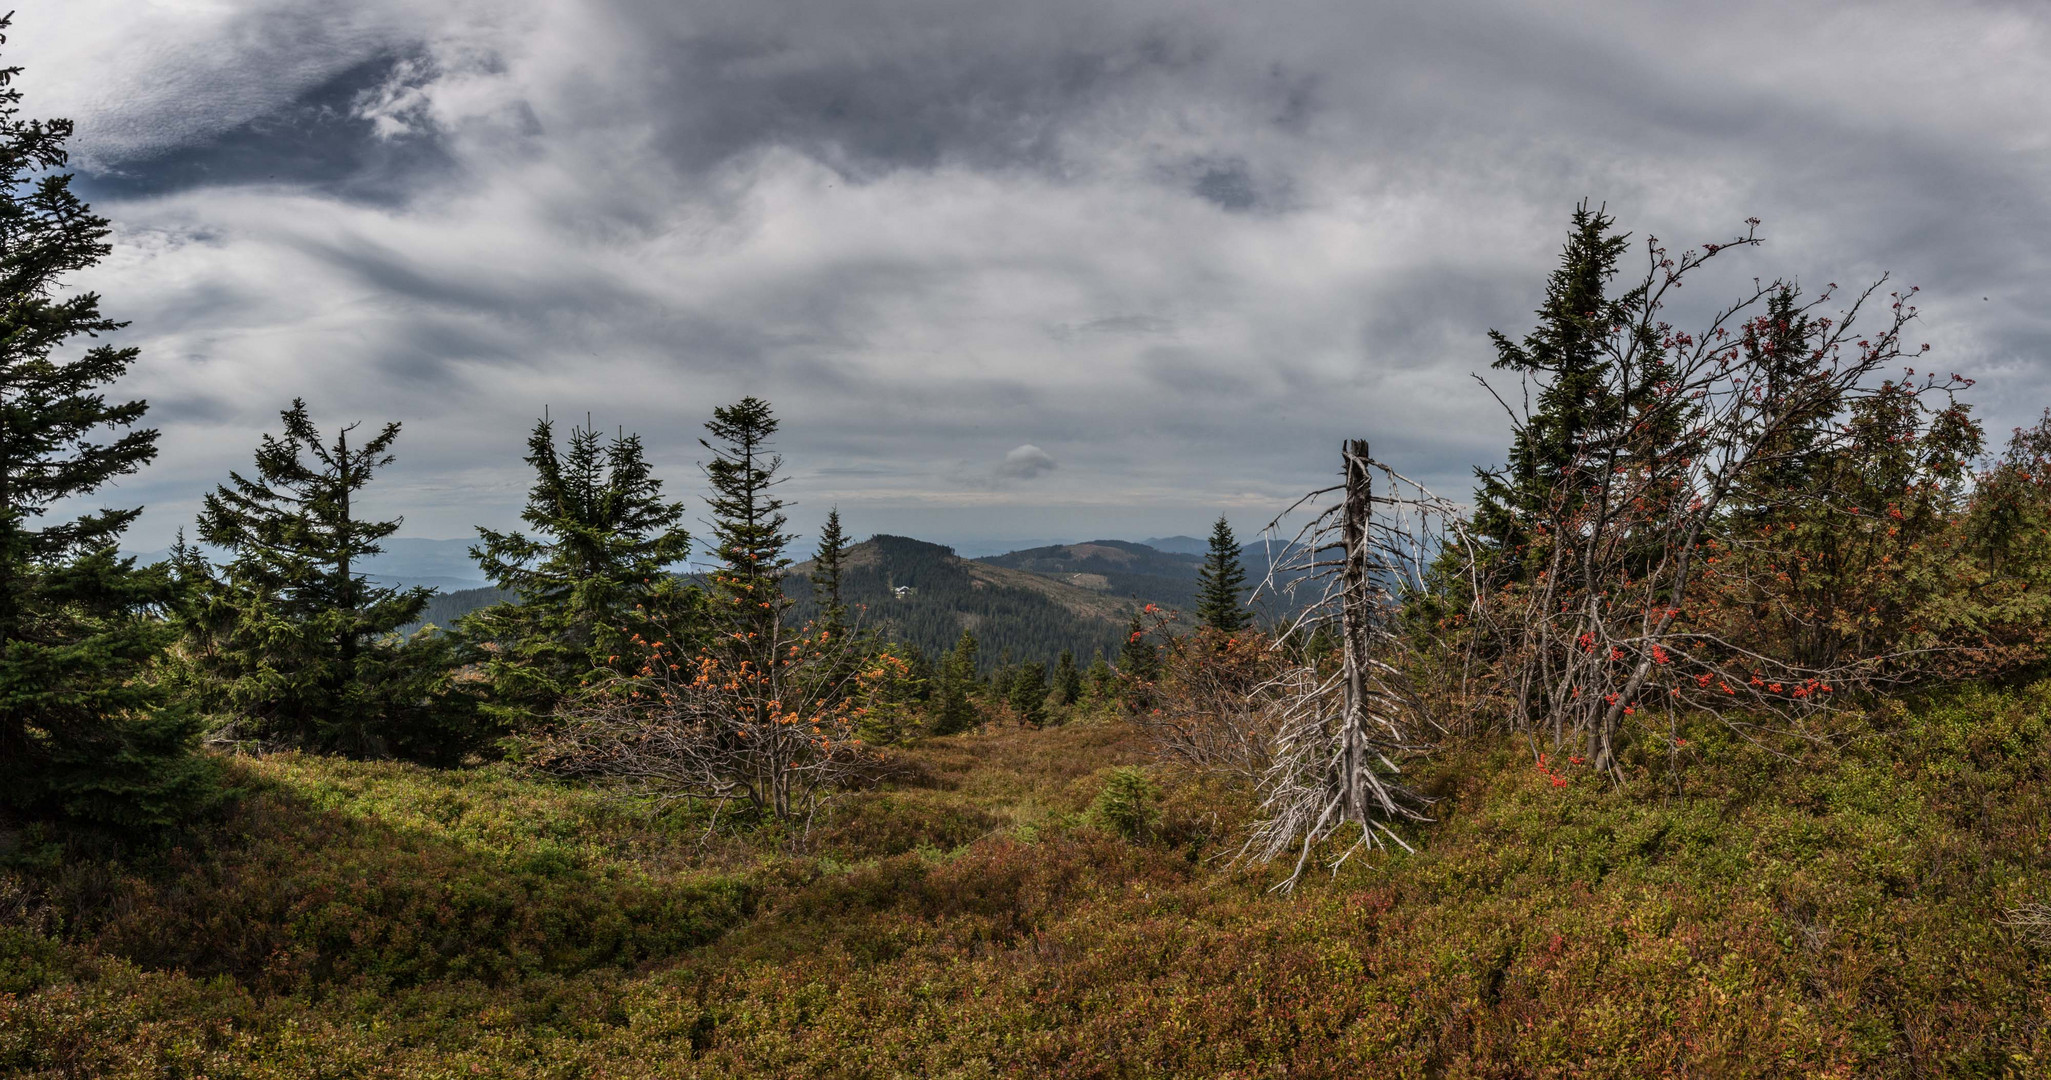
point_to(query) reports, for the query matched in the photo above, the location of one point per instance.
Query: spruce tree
(1220, 582)
(828, 563)
(1000, 677)
(84, 732)
(923, 674)
(953, 711)
(965, 656)
(1067, 679)
(1570, 353)
(593, 571)
(1027, 693)
(747, 518)
(291, 636)
(1801, 399)
(1102, 681)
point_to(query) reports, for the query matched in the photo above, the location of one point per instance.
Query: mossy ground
(1732, 913)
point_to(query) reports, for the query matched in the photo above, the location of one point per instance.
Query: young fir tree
(592, 573)
(891, 690)
(827, 565)
(1000, 677)
(1220, 582)
(83, 732)
(747, 520)
(1027, 693)
(1101, 680)
(923, 674)
(953, 711)
(291, 636)
(1570, 353)
(1067, 679)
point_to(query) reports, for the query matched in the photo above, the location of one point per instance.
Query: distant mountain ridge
(1113, 568)
(1015, 614)
(1178, 545)
(1027, 605)
(444, 608)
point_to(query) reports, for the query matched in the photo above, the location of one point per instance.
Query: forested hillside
(1029, 605)
(444, 608)
(1116, 568)
(1015, 614)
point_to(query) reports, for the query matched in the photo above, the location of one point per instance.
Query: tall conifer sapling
(953, 712)
(1067, 679)
(591, 573)
(747, 518)
(1569, 352)
(294, 636)
(1220, 582)
(828, 564)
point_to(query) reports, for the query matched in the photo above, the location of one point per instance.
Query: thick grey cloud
(1181, 248)
(346, 137)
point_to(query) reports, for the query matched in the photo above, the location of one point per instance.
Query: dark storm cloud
(869, 86)
(322, 139)
(1181, 248)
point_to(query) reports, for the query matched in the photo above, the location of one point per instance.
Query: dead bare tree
(1341, 733)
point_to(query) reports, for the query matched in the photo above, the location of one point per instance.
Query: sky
(1006, 272)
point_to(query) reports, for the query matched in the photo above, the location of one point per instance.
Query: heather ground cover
(1740, 909)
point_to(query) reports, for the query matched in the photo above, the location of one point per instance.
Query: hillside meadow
(1739, 910)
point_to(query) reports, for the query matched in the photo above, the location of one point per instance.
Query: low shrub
(896, 822)
(1756, 913)
(286, 897)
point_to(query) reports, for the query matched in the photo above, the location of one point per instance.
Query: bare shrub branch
(1213, 706)
(771, 725)
(2032, 922)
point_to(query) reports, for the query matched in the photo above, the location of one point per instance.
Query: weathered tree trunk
(1354, 617)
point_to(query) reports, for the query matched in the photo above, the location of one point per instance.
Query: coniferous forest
(1711, 736)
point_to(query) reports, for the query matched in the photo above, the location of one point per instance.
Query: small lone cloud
(1228, 186)
(1026, 462)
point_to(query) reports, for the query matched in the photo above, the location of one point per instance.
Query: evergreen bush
(1128, 804)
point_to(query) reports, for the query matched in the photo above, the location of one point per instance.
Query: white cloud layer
(1183, 249)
